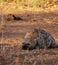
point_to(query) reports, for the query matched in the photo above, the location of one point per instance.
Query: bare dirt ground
(12, 34)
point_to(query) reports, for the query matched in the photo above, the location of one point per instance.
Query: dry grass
(14, 32)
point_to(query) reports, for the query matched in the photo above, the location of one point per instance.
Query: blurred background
(31, 3)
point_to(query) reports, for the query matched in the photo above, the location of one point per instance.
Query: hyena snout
(25, 46)
(28, 46)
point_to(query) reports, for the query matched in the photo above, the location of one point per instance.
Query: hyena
(38, 38)
(11, 17)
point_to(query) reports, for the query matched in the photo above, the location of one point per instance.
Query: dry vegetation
(12, 6)
(13, 35)
(31, 3)
(12, 32)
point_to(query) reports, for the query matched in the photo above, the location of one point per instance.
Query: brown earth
(12, 34)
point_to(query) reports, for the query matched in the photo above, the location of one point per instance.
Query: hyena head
(10, 17)
(30, 40)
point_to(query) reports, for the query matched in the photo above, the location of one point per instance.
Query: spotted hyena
(38, 38)
(11, 17)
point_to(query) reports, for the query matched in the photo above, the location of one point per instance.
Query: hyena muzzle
(38, 38)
